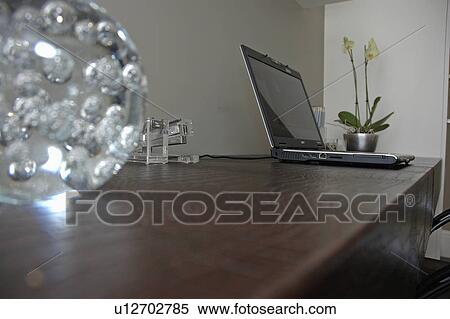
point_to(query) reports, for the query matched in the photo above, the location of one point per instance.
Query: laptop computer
(289, 120)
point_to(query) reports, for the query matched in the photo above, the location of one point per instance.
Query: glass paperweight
(72, 93)
(160, 136)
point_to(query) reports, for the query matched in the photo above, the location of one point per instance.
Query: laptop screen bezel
(279, 142)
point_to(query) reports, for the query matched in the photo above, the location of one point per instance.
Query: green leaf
(349, 119)
(381, 128)
(373, 110)
(374, 107)
(381, 122)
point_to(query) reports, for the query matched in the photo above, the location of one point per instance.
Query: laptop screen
(285, 103)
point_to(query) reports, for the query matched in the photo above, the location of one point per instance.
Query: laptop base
(343, 158)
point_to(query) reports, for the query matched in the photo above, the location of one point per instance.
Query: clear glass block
(154, 143)
(158, 142)
(319, 115)
(185, 159)
(332, 144)
(159, 137)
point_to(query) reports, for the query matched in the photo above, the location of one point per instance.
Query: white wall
(191, 54)
(316, 3)
(411, 76)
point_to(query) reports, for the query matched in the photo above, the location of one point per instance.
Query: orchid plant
(353, 122)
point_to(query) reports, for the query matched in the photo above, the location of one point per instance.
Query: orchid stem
(366, 64)
(355, 77)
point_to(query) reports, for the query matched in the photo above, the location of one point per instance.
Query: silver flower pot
(366, 143)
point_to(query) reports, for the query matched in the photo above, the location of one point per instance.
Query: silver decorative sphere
(71, 98)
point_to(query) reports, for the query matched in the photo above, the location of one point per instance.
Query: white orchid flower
(348, 44)
(372, 50)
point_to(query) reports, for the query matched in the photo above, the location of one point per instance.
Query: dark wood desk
(298, 260)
